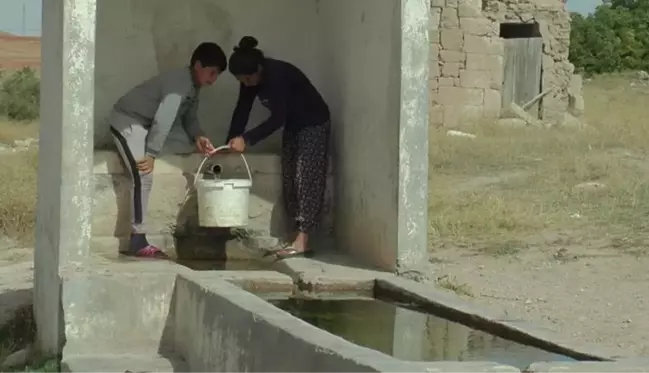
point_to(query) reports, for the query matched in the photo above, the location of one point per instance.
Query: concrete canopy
(368, 57)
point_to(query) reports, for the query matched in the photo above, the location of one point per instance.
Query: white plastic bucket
(222, 203)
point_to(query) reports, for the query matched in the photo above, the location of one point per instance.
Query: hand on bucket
(204, 145)
(237, 144)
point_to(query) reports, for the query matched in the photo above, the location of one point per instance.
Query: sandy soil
(593, 294)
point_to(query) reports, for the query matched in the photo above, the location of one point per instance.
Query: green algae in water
(410, 335)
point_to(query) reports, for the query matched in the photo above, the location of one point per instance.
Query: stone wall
(467, 57)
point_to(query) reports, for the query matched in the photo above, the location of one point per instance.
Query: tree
(614, 38)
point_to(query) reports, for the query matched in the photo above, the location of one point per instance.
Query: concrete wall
(249, 335)
(137, 39)
(350, 50)
(362, 55)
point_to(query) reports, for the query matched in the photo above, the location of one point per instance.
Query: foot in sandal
(297, 249)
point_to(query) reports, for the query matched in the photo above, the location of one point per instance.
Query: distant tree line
(614, 38)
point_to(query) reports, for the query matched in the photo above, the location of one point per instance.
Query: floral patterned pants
(305, 158)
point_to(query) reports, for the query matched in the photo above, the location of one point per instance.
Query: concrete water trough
(161, 316)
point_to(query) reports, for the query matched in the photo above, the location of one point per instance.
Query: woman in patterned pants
(296, 105)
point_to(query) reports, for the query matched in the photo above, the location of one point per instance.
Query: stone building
(487, 54)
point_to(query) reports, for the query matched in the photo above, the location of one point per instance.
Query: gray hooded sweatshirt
(159, 102)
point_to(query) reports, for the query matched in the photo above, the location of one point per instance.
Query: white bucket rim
(219, 183)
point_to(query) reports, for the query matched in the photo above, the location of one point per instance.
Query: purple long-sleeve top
(289, 95)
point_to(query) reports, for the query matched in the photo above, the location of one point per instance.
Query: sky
(23, 17)
(583, 6)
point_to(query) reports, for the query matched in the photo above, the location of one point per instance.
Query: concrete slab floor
(330, 272)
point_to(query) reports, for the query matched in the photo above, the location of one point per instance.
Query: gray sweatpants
(130, 138)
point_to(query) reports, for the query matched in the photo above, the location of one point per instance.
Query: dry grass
(10, 131)
(19, 177)
(501, 191)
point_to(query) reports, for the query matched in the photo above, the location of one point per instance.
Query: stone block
(435, 19)
(434, 51)
(446, 82)
(492, 103)
(461, 96)
(434, 97)
(497, 78)
(451, 69)
(452, 40)
(483, 45)
(452, 56)
(434, 69)
(576, 85)
(452, 3)
(437, 3)
(433, 84)
(434, 36)
(576, 105)
(479, 26)
(475, 79)
(460, 114)
(484, 62)
(449, 18)
(469, 10)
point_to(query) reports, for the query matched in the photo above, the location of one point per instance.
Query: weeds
(20, 94)
(18, 195)
(451, 284)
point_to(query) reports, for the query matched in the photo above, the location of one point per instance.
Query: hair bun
(247, 42)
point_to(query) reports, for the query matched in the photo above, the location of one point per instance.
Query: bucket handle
(212, 154)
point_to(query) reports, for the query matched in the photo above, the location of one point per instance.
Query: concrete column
(65, 160)
(412, 231)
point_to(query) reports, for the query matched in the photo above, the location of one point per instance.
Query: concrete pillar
(412, 220)
(65, 160)
(409, 343)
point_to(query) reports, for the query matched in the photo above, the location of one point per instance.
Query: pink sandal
(150, 252)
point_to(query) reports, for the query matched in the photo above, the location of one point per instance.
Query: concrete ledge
(498, 322)
(256, 281)
(108, 162)
(461, 367)
(590, 367)
(249, 334)
(173, 205)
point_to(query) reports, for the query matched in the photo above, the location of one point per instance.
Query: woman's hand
(204, 145)
(238, 144)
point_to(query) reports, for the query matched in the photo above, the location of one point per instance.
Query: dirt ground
(552, 225)
(586, 292)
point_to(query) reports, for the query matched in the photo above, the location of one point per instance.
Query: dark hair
(246, 57)
(210, 55)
